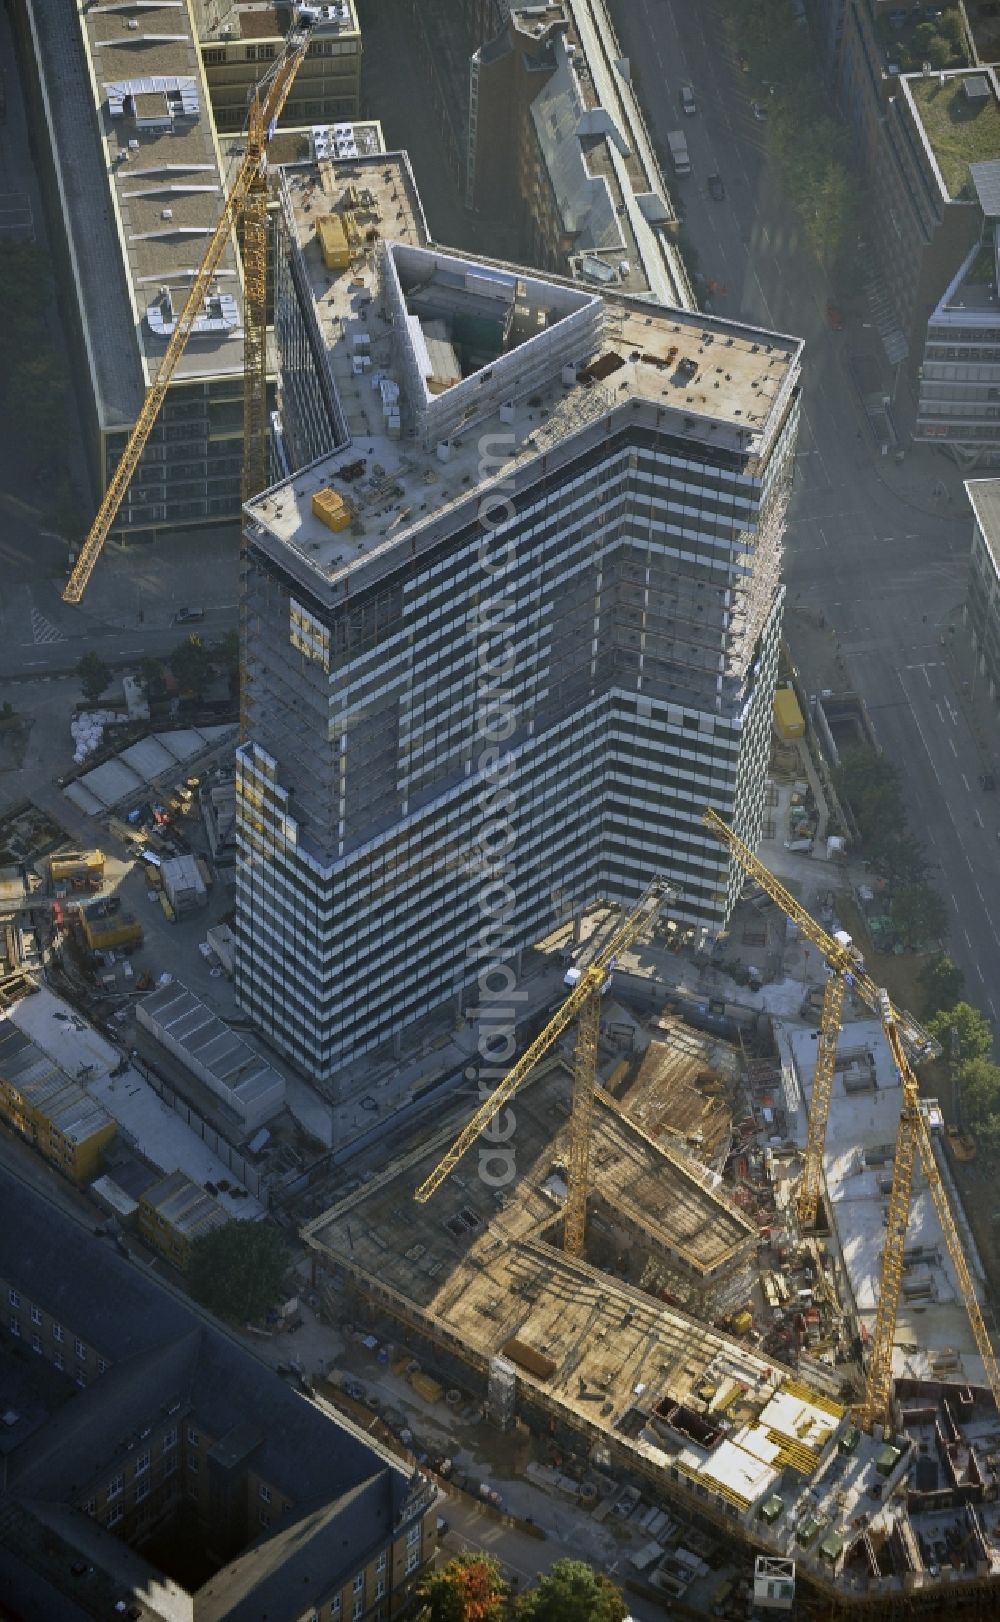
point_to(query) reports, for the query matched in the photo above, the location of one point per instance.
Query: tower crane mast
(907, 1040)
(846, 969)
(583, 1005)
(246, 206)
(912, 1139)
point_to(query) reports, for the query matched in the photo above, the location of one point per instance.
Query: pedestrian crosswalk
(43, 630)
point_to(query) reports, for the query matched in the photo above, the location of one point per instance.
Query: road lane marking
(953, 749)
(939, 710)
(965, 780)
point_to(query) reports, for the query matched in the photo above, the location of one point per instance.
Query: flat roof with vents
(723, 383)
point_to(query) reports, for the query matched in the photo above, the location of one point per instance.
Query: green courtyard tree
(237, 1271)
(979, 1080)
(226, 653)
(95, 676)
(151, 677)
(573, 1592)
(942, 983)
(191, 663)
(972, 1038)
(470, 1588)
(918, 913)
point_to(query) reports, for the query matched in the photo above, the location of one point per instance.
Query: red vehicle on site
(835, 317)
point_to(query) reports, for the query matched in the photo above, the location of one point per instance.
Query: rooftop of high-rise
(454, 372)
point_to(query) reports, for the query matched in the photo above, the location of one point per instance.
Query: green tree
(871, 784)
(979, 1081)
(897, 856)
(94, 675)
(226, 653)
(973, 1037)
(151, 677)
(942, 983)
(191, 663)
(237, 1270)
(573, 1592)
(950, 28)
(918, 913)
(470, 1588)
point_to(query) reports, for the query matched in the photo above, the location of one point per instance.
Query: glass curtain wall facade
(584, 687)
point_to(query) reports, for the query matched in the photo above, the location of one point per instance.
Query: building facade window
(81, 1351)
(142, 1463)
(15, 1326)
(36, 1315)
(57, 1332)
(115, 1488)
(14, 1298)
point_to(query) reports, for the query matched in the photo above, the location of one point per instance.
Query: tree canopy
(95, 676)
(470, 1588)
(572, 1592)
(918, 913)
(237, 1270)
(942, 983)
(979, 1080)
(963, 1032)
(191, 663)
(226, 653)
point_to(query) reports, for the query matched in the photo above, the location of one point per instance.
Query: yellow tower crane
(584, 1005)
(913, 1137)
(846, 967)
(245, 208)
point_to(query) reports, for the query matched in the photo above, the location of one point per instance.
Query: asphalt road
(868, 542)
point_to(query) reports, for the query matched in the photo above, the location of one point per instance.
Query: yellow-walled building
(50, 1109)
(176, 1211)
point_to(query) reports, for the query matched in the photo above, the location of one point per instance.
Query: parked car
(987, 782)
(189, 616)
(688, 103)
(759, 110)
(743, 61)
(835, 318)
(716, 187)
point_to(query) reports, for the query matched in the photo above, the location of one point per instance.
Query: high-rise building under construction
(509, 631)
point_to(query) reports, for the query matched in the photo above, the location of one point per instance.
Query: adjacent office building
(928, 140)
(126, 105)
(133, 186)
(557, 143)
(524, 614)
(238, 38)
(153, 1468)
